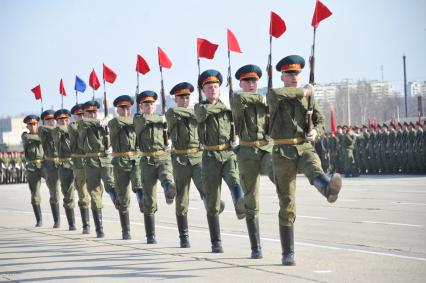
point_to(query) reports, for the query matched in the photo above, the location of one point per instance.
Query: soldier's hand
(264, 102)
(235, 142)
(168, 148)
(268, 138)
(308, 90)
(105, 121)
(311, 136)
(108, 150)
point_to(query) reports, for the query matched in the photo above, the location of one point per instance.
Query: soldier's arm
(203, 110)
(171, 118)
(318, 119)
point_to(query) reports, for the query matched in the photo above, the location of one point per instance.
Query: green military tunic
(411, 151)
(288, 107)
(33, 151)
(155, 161)
(348, 149)
(254, 154)
(219, 161)
(50, 162)
(186, 156)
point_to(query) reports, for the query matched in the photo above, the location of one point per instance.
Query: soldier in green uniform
(418, 148)
(254, 154)
(411, 151)
(126, 160)
(423, 148)
(77, 155)
(340, 168)
(348, 149)
(12, 168)
(155, 161)
(2, 167)
(33, 154)
(219, 161)
(293, 150)
(391, 150)
(95, 140)
(50, 162)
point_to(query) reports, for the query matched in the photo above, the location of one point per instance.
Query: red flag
(321, 12)
(37, 92)
(277, 25)
(141, 65)
(163, 60)
(93, 80)
(62, 88)
(108, 74)
(374, 122)
(233, 42)
(206, 49)
(333, 123)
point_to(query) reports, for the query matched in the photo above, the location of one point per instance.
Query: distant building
(11, 130)
(417, 88)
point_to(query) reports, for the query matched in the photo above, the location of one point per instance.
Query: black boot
(55, 213)
(238, 200)
(214, 229)
(125, 225)
(287, 245)
(139, 197)
(85, 220)
(113, 195)
(329, 187)
(169, 192)
(97, 218)
(37, 213)
(222, 204)
(69, 212)
(253, 231)
(182, 223)
(150, 228)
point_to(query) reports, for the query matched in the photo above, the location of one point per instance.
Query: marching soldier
(50, 162)
(214, 130)
(126, 160)
(293, 150)
(33, 151)
(155, 161)
(254, 154)
(77, 154)
(348, 149)
(391, 148)
(98, 165)
(418, 148)
(411, 151)
(362, 142)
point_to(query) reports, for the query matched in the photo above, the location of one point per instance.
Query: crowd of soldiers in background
(12, 167)
(380, 149)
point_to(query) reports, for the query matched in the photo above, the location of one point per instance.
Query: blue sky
(44, 41)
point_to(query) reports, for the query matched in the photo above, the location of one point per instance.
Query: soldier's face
(33, 128)
(148, 107)
(50, 122)
(291, 79)
(63, 122)
(77, 117)
(123, 111)
(211, 91)
(249, 85)
(182, 100)
(91, 114)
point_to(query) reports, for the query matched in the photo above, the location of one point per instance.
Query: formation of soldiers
(12, 167)
(398, 148)
(258, 136)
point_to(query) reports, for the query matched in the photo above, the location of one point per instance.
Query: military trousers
(252, 162)
(123, 177)
(81, 187)
(349, 162)
(94, 175)
(285, 171)
(213, 171)
(34, 182)
(52, 182)
(154, 168)
(66, 176)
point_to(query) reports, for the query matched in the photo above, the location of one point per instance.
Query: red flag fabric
(277, 25)
(233, 42)
(37, 92)
(333, 123)
(321, 12)
(163, 60)
(62, 88)
(374, 122)
(141, 65)
(108, 74)
(93, 80)
(206, 49)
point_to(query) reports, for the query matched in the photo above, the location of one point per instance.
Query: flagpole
(163, 109)
(76, 97)
(93, 94)
(62, 101)
(137, 92)
(41, 102)
(200, 96)
(105, 100)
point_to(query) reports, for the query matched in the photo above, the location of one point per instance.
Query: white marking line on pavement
(408, 203)
(312, 217)
(391, 223)
(412, 192)
(323, 271)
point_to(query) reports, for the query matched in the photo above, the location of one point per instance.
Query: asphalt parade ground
(375, 232)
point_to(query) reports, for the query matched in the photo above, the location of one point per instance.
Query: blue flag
(80, 85)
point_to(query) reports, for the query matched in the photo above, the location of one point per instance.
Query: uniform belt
(51, 158)
(186, 151)
(64, 159)
(125, 154)
(153, 153)
(76, 155)
(289, 141)
(217, 147)
(35, 161)
(254, 143)
(95, 154)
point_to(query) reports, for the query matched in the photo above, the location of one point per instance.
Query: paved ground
(374, 233)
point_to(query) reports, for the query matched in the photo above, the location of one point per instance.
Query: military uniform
(348, 149)
(50, 164)
(33, 151)
(293, 152)
(2, 168)
(155, 161)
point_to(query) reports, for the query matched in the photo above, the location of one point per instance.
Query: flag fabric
(163, 60)
(233, 42)
(79, 85)
(108, 74)
(62, 88)
(374, 122)
(93, 80)
(206, 49)
(37, 92)
(277, 25)
(321, 12)
(333, 123)
(141, 65)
